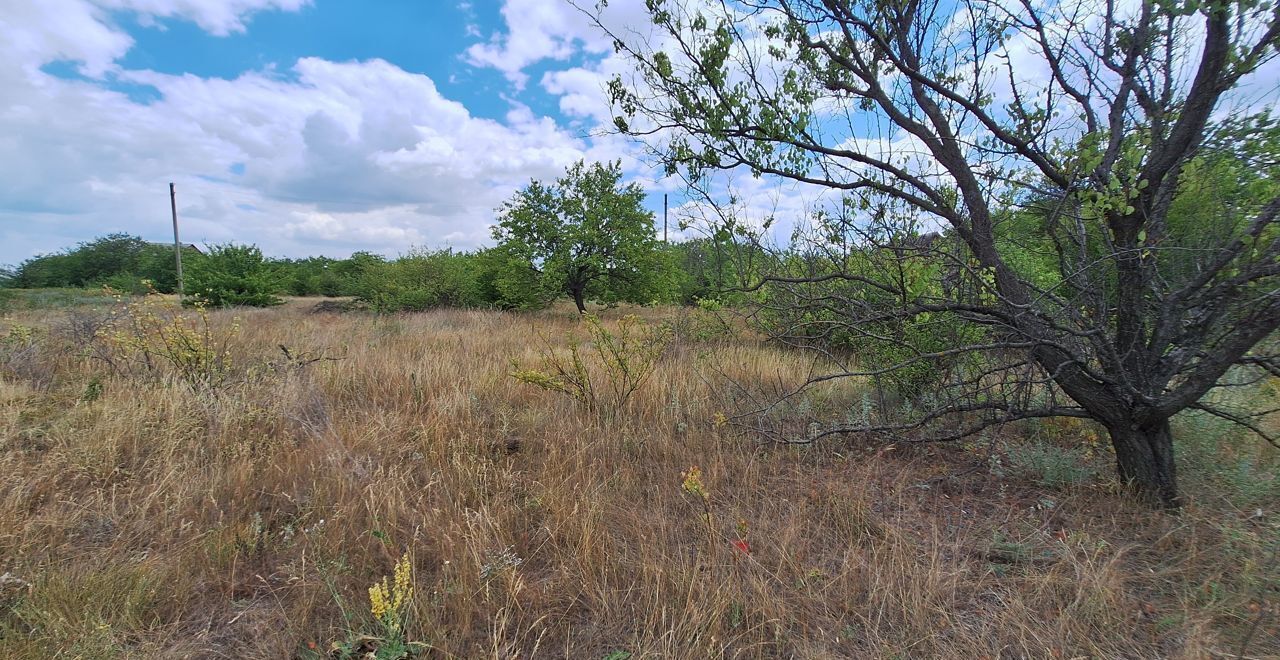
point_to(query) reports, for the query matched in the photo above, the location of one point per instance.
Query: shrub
(603, 377)
(128, 283)
(893, 351)
(152, 337)
(422, 280)
(232, 275)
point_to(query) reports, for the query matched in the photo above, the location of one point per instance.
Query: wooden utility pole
(664, 217)
(177, 244)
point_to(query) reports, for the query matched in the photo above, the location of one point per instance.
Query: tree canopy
(1063, 147)
(585, 236)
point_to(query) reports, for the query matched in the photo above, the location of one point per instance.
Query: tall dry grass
(143, 517)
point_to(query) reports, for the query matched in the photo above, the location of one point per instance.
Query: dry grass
(153, 519)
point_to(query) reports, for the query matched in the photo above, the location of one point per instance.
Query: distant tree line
(526, 270)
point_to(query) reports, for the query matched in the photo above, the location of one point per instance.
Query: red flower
(742, 545)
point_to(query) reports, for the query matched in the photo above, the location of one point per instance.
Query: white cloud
(218, 17)
(37, 33)
(332, 157)
(536, 30)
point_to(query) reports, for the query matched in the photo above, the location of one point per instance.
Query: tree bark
(579, 299)
(1144, 460)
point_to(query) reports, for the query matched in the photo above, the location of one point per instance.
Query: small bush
(128, 283)
(151, 337)
(602, 377)
(422, 280)
(390, 605)
(233, 275)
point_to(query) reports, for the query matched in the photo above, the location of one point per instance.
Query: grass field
(232, 499)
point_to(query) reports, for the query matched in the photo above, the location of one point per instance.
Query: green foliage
(119, 260)
(322, 276)
(55, 298)
(710, 268)
(706, 320)
(908, 353)
(425, 280)
(128, 283)
(151, 337)
(585, 236)
(604, 375)
(131, 265)
(231, 275)
(907, 372)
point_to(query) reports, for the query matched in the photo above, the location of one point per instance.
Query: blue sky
(420, 36)
(304, 126)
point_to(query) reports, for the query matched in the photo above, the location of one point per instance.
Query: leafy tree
(95, 261)
(918, 114)
(318, 276)
(585, 236)
(230, 275)
(88, 264)
(117, 260)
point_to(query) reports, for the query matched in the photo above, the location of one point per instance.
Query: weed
(604, 376)
(389, 604)
(500, 562)
(151, 336)
(1050, 466)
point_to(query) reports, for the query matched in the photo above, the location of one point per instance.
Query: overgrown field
(233, 487)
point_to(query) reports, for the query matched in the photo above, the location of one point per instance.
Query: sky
(324, 127)
(306, 127)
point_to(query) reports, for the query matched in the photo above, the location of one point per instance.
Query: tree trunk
(578, 298)
(1144, 460)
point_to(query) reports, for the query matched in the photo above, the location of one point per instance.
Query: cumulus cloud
(324, 157)
(536, 30)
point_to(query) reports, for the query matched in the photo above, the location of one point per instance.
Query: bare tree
(1077, 124)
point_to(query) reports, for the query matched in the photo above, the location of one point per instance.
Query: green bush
(232, 275)
(424, 280)
(922, 334)
(320, 276)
